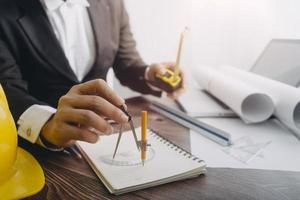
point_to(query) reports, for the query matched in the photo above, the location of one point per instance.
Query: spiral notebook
(165, 162)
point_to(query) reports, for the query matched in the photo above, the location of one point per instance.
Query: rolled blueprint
(285, 97)
(251, 104)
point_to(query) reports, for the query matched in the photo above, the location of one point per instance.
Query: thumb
(162, 70)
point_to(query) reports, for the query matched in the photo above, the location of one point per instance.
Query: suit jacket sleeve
(13, 84)
(129, 67)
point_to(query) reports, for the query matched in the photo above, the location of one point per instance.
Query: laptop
(280, 60)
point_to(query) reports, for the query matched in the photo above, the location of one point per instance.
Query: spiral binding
(176, 148)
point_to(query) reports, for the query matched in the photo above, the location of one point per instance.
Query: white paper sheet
(281, 154)
(198, 103)
(285, 97)
(251, 104)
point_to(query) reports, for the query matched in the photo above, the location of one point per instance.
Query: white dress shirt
(72, 26)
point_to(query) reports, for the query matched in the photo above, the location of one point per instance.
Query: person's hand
(81, 114)
(160, 69)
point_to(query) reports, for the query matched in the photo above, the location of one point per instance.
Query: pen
(144, 136)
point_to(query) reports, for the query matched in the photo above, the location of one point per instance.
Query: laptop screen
(280, 61)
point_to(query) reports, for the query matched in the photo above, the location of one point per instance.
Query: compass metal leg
(118, 142)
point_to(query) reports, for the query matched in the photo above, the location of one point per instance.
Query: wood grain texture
(68, 177)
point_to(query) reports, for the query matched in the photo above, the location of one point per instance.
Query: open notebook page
(164, 161)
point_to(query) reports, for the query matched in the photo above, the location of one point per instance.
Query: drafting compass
(121, 131)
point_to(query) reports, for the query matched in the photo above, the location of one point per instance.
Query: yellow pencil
(178, 58)
(144, 136)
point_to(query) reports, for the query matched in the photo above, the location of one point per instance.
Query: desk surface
(68, 177)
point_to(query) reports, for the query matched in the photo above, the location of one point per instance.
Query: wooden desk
(68, 177)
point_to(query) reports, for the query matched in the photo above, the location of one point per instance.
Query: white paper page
(197, 103)
(281, 154)
(166, 161)
(250, 103)
(285, 97)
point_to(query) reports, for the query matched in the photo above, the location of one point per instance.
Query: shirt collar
(52, 5)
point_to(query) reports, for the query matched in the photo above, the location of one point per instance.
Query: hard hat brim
(27, 180)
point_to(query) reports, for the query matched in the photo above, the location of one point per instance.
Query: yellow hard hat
(20, 174)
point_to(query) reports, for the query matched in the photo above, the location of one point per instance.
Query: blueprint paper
(250, 103)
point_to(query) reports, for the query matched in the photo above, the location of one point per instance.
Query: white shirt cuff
(32, 121)
(147, 78)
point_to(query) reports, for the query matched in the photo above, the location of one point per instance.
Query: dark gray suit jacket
(33, 67)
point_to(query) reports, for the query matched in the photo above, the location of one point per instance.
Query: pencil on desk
(144, 136)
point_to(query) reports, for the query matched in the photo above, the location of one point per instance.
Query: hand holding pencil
(169, 77)
(162, 69)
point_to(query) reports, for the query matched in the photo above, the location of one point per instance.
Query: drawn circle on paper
(128, 158)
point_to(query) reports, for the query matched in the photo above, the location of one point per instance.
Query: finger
(70, 143)
(175, 94)
(170, 65)
(86, 118)
(93, 130)
(125, 107)
(159, 69)
(162, 70)
(98, 105)
(183, 78)
(98, 87)
(167, 65)
(179, 92)
(81, 134)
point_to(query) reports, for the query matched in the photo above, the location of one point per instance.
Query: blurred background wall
(230, 32)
